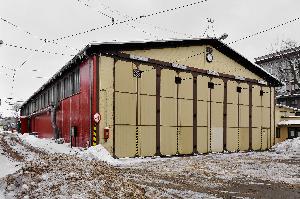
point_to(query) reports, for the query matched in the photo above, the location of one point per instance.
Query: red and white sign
(97, 117)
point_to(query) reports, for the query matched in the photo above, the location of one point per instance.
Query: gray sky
(56, 18)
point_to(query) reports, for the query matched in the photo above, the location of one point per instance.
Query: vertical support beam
(137, 116)
(195, 99)
(250, 116)
(274, 100)
(158, 86)
(114, 108)
(177, 117)
(270, 140)
(225, 116)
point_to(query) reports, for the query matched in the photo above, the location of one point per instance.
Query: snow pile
(47, 145)
(290, 147)
(100, 153)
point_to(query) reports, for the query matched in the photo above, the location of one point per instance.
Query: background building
(171, 97)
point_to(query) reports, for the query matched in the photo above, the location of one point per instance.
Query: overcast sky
(56, 18)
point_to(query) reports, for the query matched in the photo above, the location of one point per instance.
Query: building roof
(288, 107)
(289, 122)
(277, 55)
(96, 48)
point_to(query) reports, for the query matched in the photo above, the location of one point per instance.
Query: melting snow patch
(290, 147)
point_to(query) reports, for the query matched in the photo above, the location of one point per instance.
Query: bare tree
(16, 109)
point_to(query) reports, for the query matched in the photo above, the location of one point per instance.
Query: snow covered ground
(41, 168)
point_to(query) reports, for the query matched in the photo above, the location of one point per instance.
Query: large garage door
(237, 116)
(176, 109)
(210, 97)
(135, 110)
(261, 125)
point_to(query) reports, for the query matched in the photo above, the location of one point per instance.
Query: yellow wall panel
(147, 110)
(244, 139)
(217, 94)
(168, 140)
(185, 114)
(202, 140)
(244, 116)
(217, 115)
(186, 86)
(256, 98)
(168, 86)
(256, 116)
(216, 139)
(185, 140)
(125, 108)
(168, 111)
(265, 139)
(266, 97)
(244, 95)
(125, 141)
(256, 139)
(232, 115)
(232, 139)
(202, 88)
(147, 139)
(202, 116)
(147, 82)
(232, 95)
(266, 117)
(125, 82)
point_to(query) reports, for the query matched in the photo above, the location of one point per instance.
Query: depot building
(157, 98)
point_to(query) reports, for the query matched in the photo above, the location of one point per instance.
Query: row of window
(65, 87)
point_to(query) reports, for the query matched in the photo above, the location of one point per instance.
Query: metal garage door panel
(217, 139)
(185, 140)
(244, 139)
(147, 82)
(266, 97)
(266, 117)
(232, 139)
(256, 139)
(256, 116)
(186, 87)
(202, 88)
(232, 115)
(202, 140)
(168, 112)
(265, 137)
(168, 86)
(244, 94)
(244, 116)
(217, 94)
(125, 81)
(168, 140)
(147, 110)
(125, 108)
(232, 95)
(256, 98)
(125, 141)
(202, 113)
(147, 140)
(185, 112)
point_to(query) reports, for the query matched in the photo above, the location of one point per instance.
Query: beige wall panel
(168, 140)
(217, 94)
(244, 116)
(125, 108)
(256, 116)
(202, 140)
(256, 98)
(221, 63)
(168, 86)
(147, 82)
(244, 139)
(232, 115)
(265, 138)
(266, 117)
(266, 97)
(125, 141)
(244, 95)
(256, 139)
(168, 112)
(217, 115)
(217, 139)
(232, 95)
(185, 140)
(272, 116)
(202, 116)
(147, 140)
(232, 139)
(125, 82)
(186, 86)
(147, 110)
(283, 134)
(202, 88)
(185, 113)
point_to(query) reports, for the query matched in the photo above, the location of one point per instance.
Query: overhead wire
(131, 19)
